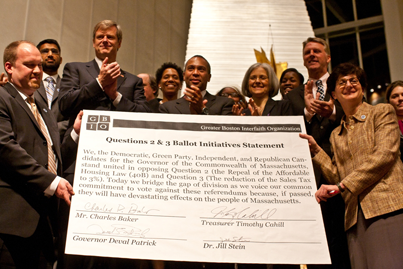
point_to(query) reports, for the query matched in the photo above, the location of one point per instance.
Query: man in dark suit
(196, 99)
(48, 92)
(29, 160)
(322, 114)
(100, 84)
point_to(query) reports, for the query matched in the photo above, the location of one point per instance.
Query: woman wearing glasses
(260, 83)
(235, 94)
(366, 171)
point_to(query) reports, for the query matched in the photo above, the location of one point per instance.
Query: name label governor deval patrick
(190, 188)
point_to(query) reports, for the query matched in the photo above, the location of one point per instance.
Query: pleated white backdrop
(225, 32)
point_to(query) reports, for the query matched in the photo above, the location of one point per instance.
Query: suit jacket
(154, 105)
(217, 105)
(40, 96)
(79, 90)
(319, 127)
(275, 108)
(23, 162)
(366, 161)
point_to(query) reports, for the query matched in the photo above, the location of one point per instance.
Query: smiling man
(196, 99)
(322, 115)
(29, 160)
(97, 85)
(100, 84)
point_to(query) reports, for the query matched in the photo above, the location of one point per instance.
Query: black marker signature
(235, 239)
(118, 229)
(246, 213)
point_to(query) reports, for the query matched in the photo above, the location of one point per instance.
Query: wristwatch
(205, 110)
(340, 188)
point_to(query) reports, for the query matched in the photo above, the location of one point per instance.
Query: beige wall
(154, 31)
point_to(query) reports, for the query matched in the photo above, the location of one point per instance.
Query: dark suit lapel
(93, 69)
(182, 106)
(14, 93)
(121, 79)
(41, 93)
(210, 99)
(268, 107)
(58, 81)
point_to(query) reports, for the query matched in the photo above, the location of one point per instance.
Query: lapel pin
(363, 117)
(45, 110)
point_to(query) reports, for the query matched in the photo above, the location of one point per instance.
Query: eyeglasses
(343, 82)
(254, 78)
(46, 51)
(232, 94)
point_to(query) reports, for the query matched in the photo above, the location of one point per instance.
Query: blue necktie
(50, 90)
(321, 90)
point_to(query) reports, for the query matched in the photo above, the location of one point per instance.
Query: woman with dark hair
(394, 96)
(169, 79)
(289, 80)
(366, 171)
(260, 83)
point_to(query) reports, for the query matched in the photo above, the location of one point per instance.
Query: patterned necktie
(51, 155)
(320, 90)
(50, 90)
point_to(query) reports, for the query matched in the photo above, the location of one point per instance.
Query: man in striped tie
(29, 160)
(48, 92)
(322, 114)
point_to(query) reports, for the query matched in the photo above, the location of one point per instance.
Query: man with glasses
(48, 91)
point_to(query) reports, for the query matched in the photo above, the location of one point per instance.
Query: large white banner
(195, 188)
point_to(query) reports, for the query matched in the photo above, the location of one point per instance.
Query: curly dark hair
(160, 71)
(346, 69)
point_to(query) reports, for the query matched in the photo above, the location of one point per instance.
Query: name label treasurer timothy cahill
(244, 223)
